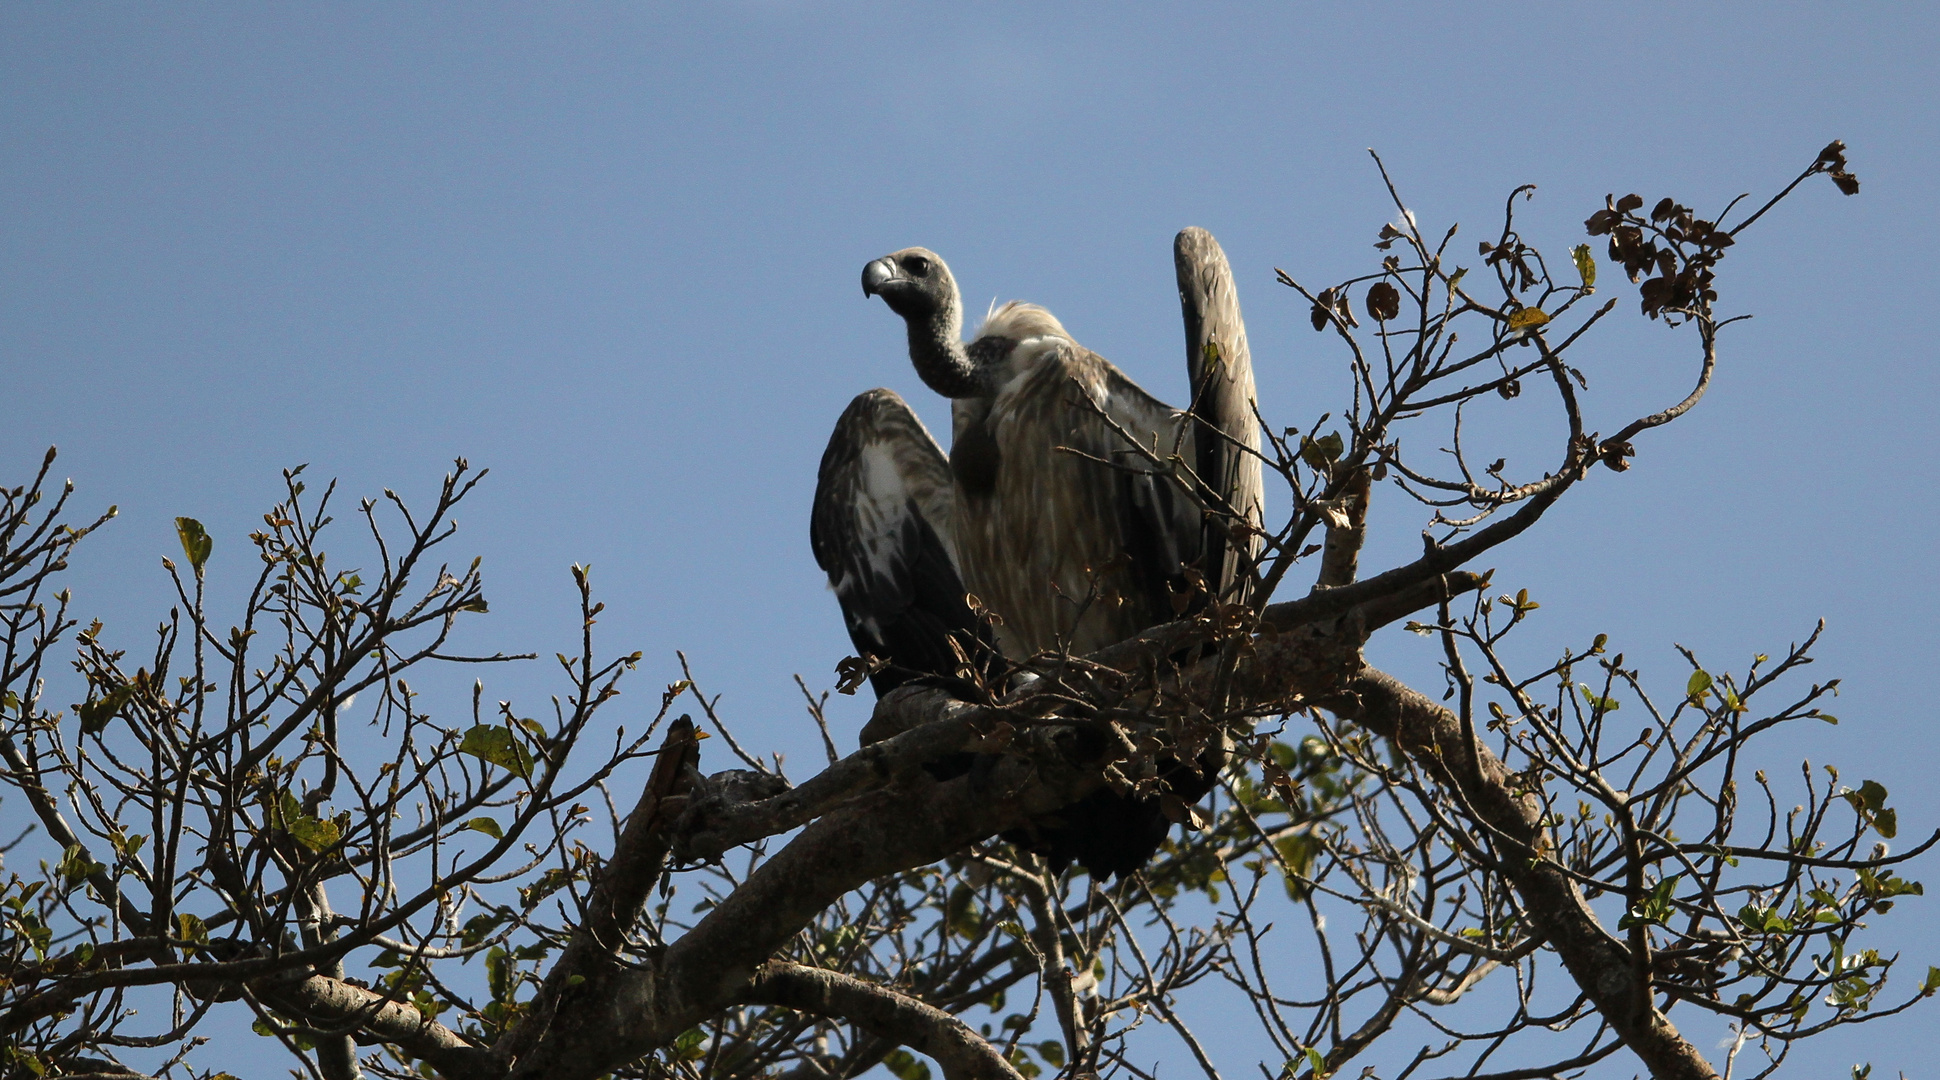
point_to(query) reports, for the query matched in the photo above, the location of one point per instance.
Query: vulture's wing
(1225, 428)
(1158, 525)
(1159, 530)
(881, 530)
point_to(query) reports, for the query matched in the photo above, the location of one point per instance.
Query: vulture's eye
(917, 265)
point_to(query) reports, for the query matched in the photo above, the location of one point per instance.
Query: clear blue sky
(612, 252)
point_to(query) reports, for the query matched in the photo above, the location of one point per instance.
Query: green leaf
(75, 866)
(1700, 682)
(1527, 318)
(1885, 885)
(1932, 982)
(1585, 265)
(195, 541)
(1763, 920)
(1322, 452)
(1596, 703)
(838, 941)
(904, 1065)
(1286, 757)
(95, 714)
(487, 826)
(304, 829)
(499, 973)
(960, 912)
(1297, 852)
(1870, 803)
(313, 833)
(479, 927)
(1654, 906)
(500, 747)
(687, 1047)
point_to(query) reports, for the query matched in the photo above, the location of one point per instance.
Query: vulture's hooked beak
(877, 274)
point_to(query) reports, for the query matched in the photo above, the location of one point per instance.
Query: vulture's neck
(936, 348)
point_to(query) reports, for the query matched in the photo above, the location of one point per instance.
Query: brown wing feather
(1064, 547)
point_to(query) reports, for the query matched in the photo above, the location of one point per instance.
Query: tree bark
(880, 1011)
(334, 1002)
(639, 857)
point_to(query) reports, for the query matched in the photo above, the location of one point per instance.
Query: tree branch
(333, 1001)
(1341, 555)
(1432, 736)
(624, 884)
(884, 1013)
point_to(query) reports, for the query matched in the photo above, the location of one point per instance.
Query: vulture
(1050, 509)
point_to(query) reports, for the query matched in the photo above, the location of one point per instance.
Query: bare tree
(265, 815)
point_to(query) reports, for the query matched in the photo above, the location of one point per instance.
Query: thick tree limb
(916, 724)
(1340, 556)
(630, 875)
(639, 857)
(82, 1068)
(329, 1001)
(618, 1014)
(1601, 965)
(884, 1013)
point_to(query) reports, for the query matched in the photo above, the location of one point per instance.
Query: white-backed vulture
(1044, 509)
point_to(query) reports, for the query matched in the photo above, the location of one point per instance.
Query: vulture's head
(914, 282)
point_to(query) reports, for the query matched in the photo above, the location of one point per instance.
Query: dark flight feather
(880, 529)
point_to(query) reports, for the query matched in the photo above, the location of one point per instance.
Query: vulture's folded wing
(1159, 526)
(881, 530)
(1225, 428)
